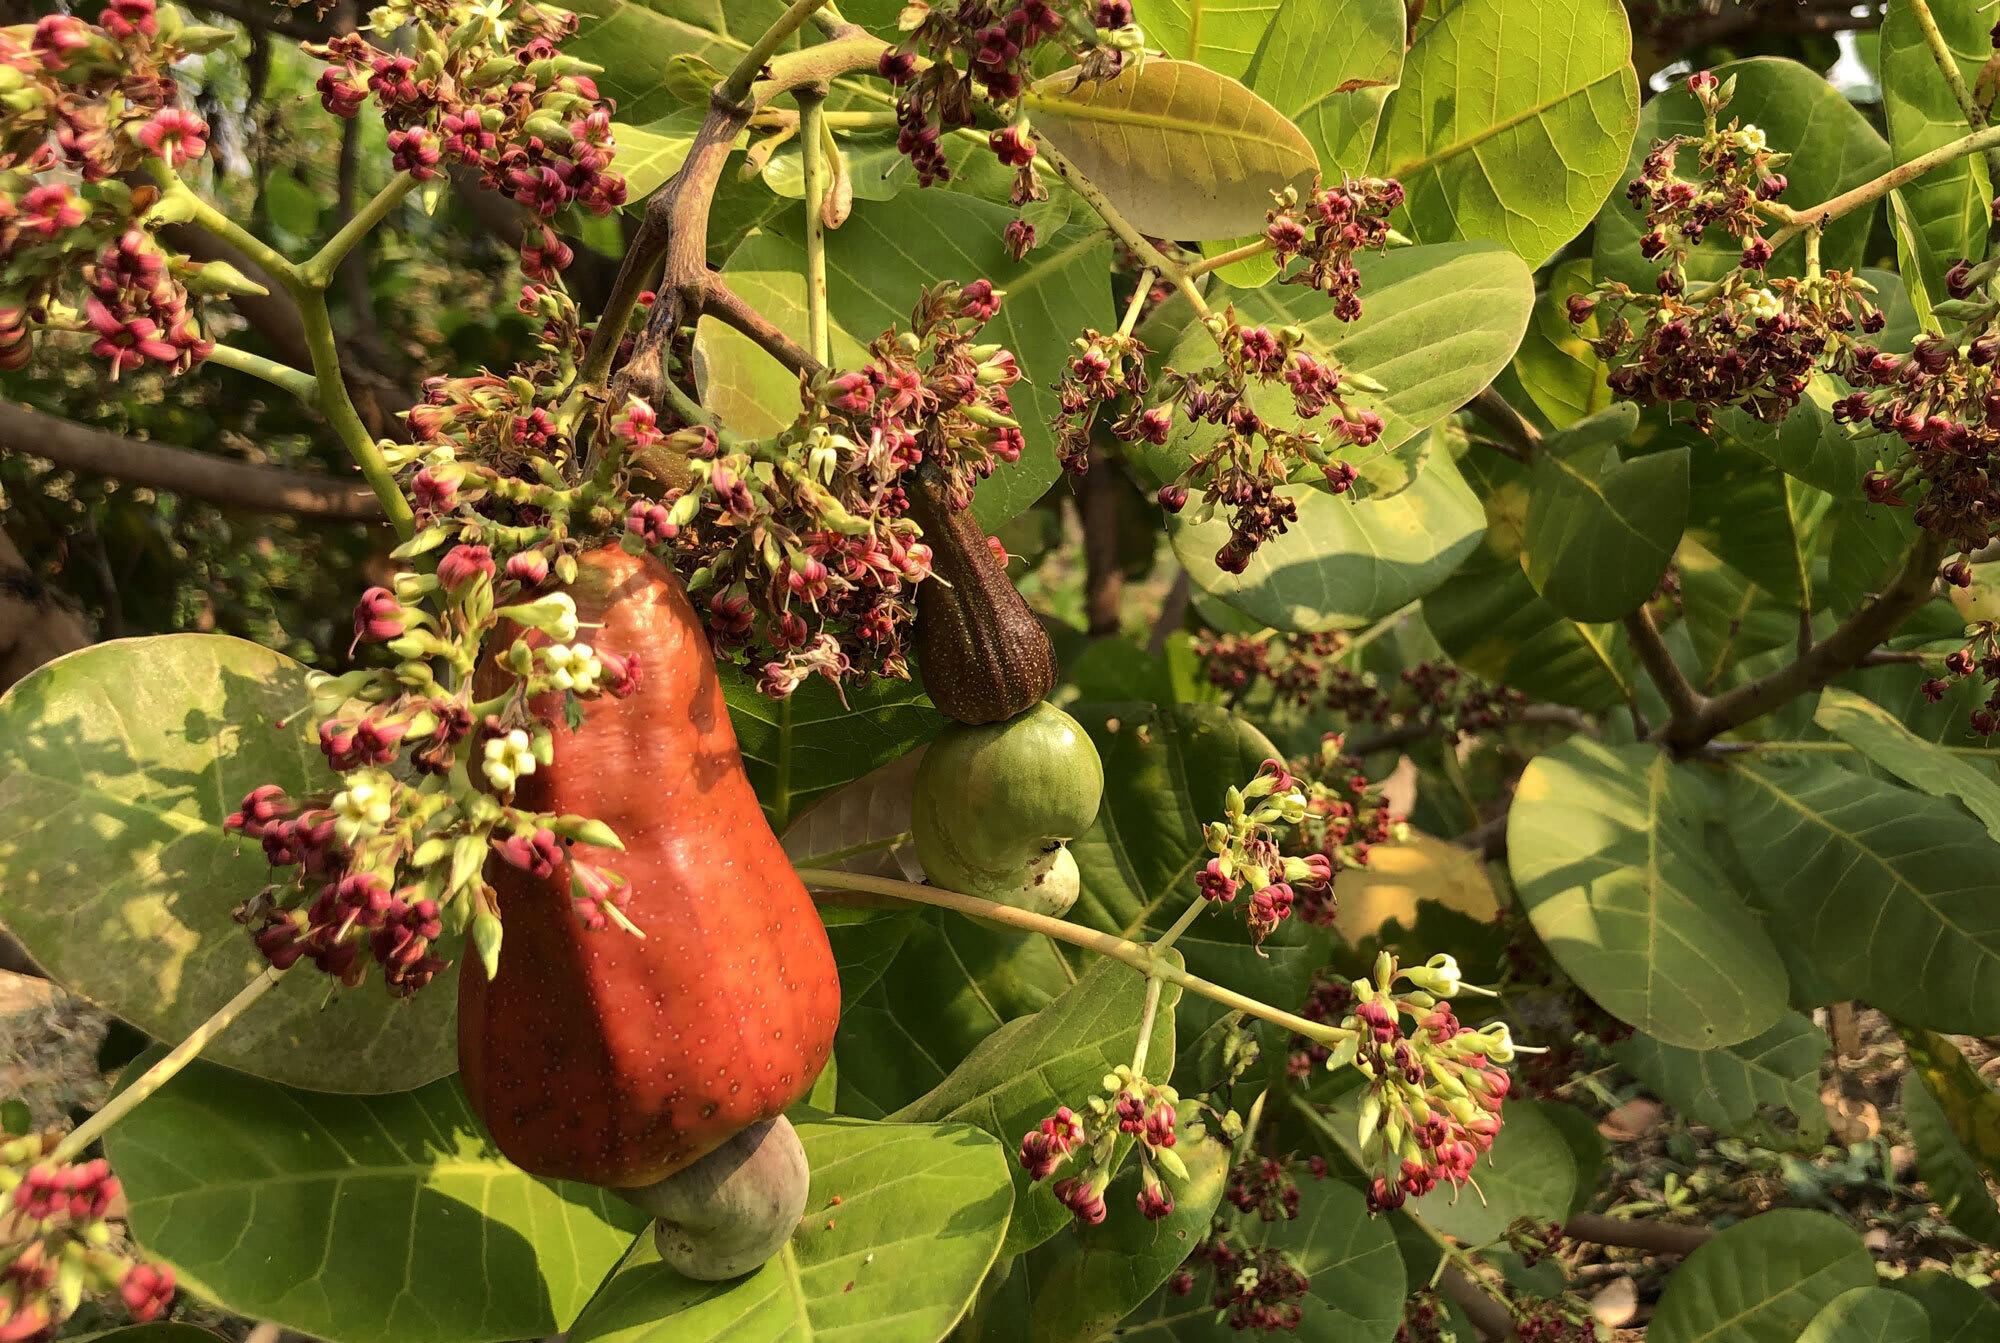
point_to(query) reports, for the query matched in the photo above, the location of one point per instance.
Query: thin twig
(724, 304)
(1684, 702)
(1516, 431)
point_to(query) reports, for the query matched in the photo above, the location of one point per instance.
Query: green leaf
(648, 155)
(1491, 621)
(1950, 1173)
(952, 983)
(1019, 1074)
(1925, 765)
(1949, 206)
(1869, 1315)
(1555, 367)
(636, 42)
(1512, 121)
(1348, 1255)
(1761, 1281)
(1222, 34)
(1727, 617)
(902, 1221)
(1182, 151)
(1607, 854)
(1886, 891)
(357, 1218)
(1329, 66)
(878, 263)
(1082, 1283)
(1832, 146)
(1587, 1148)
(1768, 526)
(1959, 1312)
(1963, 1100)
(1807, 444)
(1138, 860)
(118, 765)
(1736, 1089)
(810, 743)
(1601, 531)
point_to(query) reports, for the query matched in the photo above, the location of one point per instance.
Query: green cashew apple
(996, 804)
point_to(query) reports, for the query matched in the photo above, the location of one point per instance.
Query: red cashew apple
(618, 1060)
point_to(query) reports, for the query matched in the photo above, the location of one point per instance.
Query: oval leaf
(361, 1219)
(1223, 35)
(1869, 1315)
(118, 764)
(1329, 66)
(1761, 1281)
(1949, 207)
(1949, 1172)
(1926, 765)
(1736, 1089)
(1958, 1311)
(1888, 893)
(1182, 151)
(1512, 121)
(1601, 531)
(902, 1222)
(1606, 851)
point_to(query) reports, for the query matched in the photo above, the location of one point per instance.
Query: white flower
(1752, 139)
(573, 667)
(1439, 976)
(554, 614)
(507, 759)
(1762, 303)
(363, 807)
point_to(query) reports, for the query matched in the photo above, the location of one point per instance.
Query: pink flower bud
(462, 564)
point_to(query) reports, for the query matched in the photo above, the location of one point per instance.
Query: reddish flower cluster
(1743, 341)
(1737, 343)
(1130, 1109)
(800, 548)
(1326, 229)
(1257, 1288)
(1346, 817)
(960, 50)
(1104, 371)
(1247, 858)
(1979, 656)
(1425, 1319)
(1942, 399)
(97, 104)
(1263, 1185)
(1736, 170)
(1252, 455)
(492, 92)
(58, 1245)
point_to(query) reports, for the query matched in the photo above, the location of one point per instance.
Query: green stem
(1114, 219)
(296, 381)
(812, 148)
(1147, 1015)
(1869, 192)
(274, 263)
(1954, 79)
(1194, 911)
(1231, 257)
(1137, 955)
(1138, 303)
(157, 1076)
(737, 87)
(339, 411)
(318, 270)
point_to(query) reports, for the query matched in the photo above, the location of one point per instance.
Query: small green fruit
(996, 804)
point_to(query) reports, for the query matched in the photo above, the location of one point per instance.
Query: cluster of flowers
(88, 108)
(389, 861)
(1256, 1287)
(1240, 471)
(955, 51)
(1434, 1093)
(1554, 1010)
(1742, 341)
(800, 548)
(1315, 239)
(485, 87)
(1736, 170)
(1980, 655)
(1304, 671)
(1942, 399)
(60, 1243)
(1425, 1319)
(1105, 371)
(1130, 1108)
(1283, 837)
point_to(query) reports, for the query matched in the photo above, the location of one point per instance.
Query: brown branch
(1684, 702)
(1104, 577)
(1854, 639)
(1488, 1316)
(719, 301)
(1637, 1234)
(1518, 436)
(1173, 610)
(198, 475)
